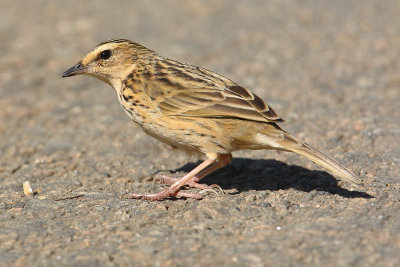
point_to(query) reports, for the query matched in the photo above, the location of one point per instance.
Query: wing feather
(214, 96)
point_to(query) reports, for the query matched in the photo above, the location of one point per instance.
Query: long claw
(190, 195)
(162, 195)
(208, 190)
(217, 187)
(152, 197)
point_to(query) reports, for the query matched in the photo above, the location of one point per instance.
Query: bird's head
(111, 61)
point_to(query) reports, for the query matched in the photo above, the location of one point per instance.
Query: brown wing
(194, 92)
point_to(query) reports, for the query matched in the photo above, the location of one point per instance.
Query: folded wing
(188, 94)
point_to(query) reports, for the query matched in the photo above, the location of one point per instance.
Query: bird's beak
(75, 70)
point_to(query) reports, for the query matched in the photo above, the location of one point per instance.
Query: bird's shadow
(245, 174)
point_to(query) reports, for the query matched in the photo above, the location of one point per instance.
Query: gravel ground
(330, 68)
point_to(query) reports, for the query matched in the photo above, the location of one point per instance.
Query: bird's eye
(106, 54)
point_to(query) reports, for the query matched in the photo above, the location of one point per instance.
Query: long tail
(292, 144)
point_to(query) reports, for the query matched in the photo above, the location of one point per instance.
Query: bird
(192, 109)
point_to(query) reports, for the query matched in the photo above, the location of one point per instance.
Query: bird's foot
(165, 179)
(190, 179)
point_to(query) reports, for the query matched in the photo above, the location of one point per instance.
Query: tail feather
(292, 144)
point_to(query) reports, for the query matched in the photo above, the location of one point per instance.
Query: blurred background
(329, 68)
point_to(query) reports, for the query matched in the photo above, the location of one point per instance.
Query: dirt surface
(330, 68)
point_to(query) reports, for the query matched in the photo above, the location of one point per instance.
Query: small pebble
(27, 189)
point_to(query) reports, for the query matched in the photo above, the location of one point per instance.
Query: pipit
(192, 109)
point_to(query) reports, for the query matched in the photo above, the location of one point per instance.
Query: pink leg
(222, 161)
(165, 179)
(173, 190)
